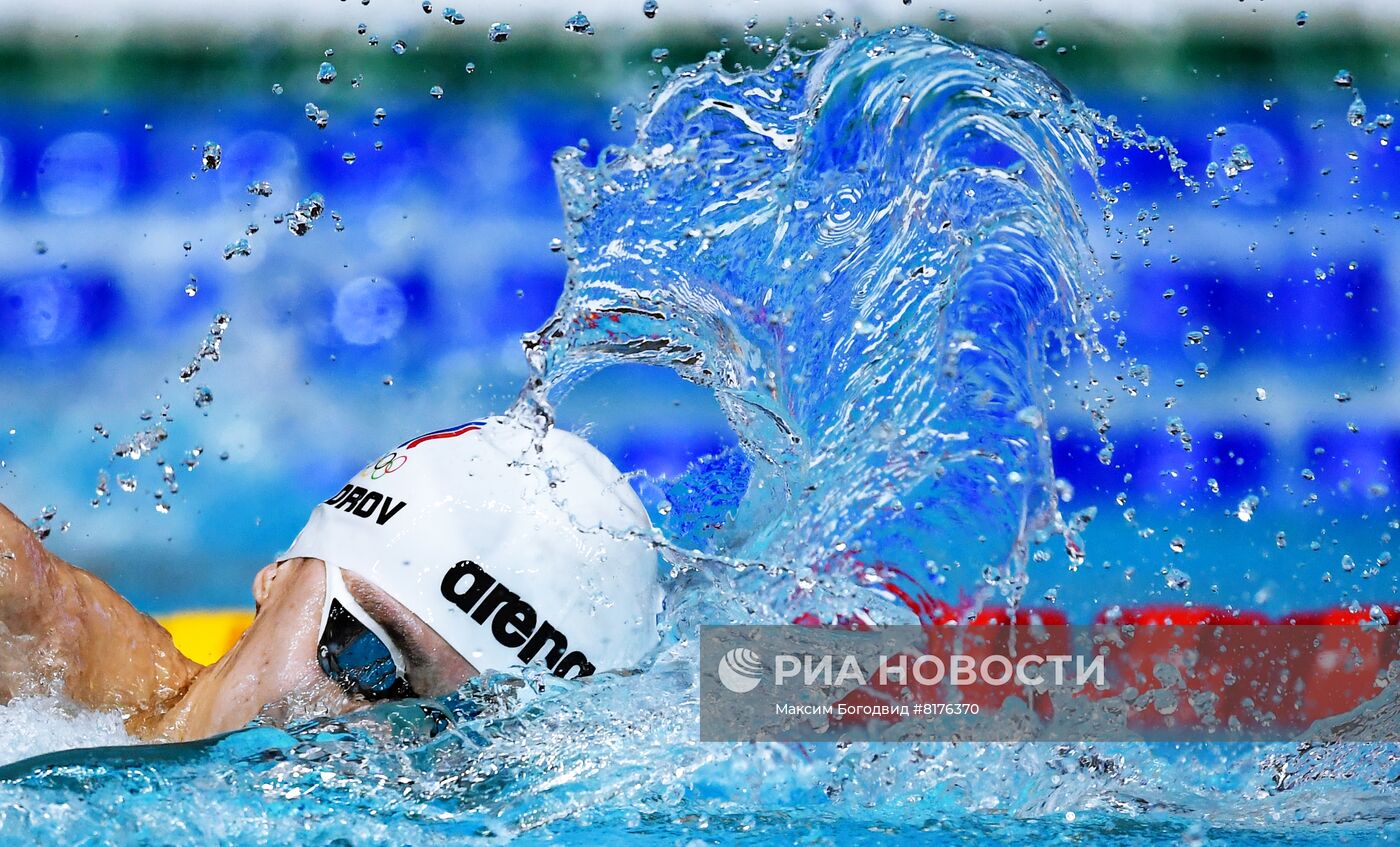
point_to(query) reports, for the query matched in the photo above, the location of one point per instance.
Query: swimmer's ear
(262, 583)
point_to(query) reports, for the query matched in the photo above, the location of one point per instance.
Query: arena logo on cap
(514, 623)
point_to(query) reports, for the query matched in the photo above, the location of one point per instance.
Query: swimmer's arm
(63, 628)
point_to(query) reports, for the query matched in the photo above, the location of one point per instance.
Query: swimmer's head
(516, 553)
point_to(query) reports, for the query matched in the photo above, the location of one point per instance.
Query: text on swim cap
(363, 503)
(514, 622)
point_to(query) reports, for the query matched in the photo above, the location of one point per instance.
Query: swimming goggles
(354, 649)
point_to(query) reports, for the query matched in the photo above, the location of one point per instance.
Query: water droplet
(649, 8)
(470, 67)
(453, 16)
(348, 157)
(1343, 78)
(126, 483)
(579, 24)
(498, 32)
(1201, 370)
(261, 189)
(212, 157)
(191, 460)
(239, 247)
(1281, 539)
(946, 16)
(1177, 544)
(1041, 38)
(1348, 563)
(318, 116)
(436, 92)
(1178, 580)
(1214, 485)
(660, 54)
(326, 74)
(427, 7)
(555, 245)
(400, 47)
(203, 397)
(191, 288)
(277, 88)
(1260, 394)
(361, 28)
(1240, 160)
(1307, 474)
(1245, 511)
(310, 208)
(1356, 112)
(388, 379)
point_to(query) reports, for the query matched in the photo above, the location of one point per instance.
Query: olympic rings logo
(391, 462)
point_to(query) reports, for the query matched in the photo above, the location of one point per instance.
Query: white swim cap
(513, 555)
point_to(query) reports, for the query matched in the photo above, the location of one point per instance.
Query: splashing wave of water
(864, 252)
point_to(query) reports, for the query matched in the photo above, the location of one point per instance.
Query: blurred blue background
(408, 317)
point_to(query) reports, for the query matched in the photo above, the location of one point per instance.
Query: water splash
(864, 251)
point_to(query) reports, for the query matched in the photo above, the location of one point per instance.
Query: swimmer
(460, 551)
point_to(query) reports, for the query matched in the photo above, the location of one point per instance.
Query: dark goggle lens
(358, 660)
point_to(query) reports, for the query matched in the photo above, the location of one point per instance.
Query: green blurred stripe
(195, 65)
